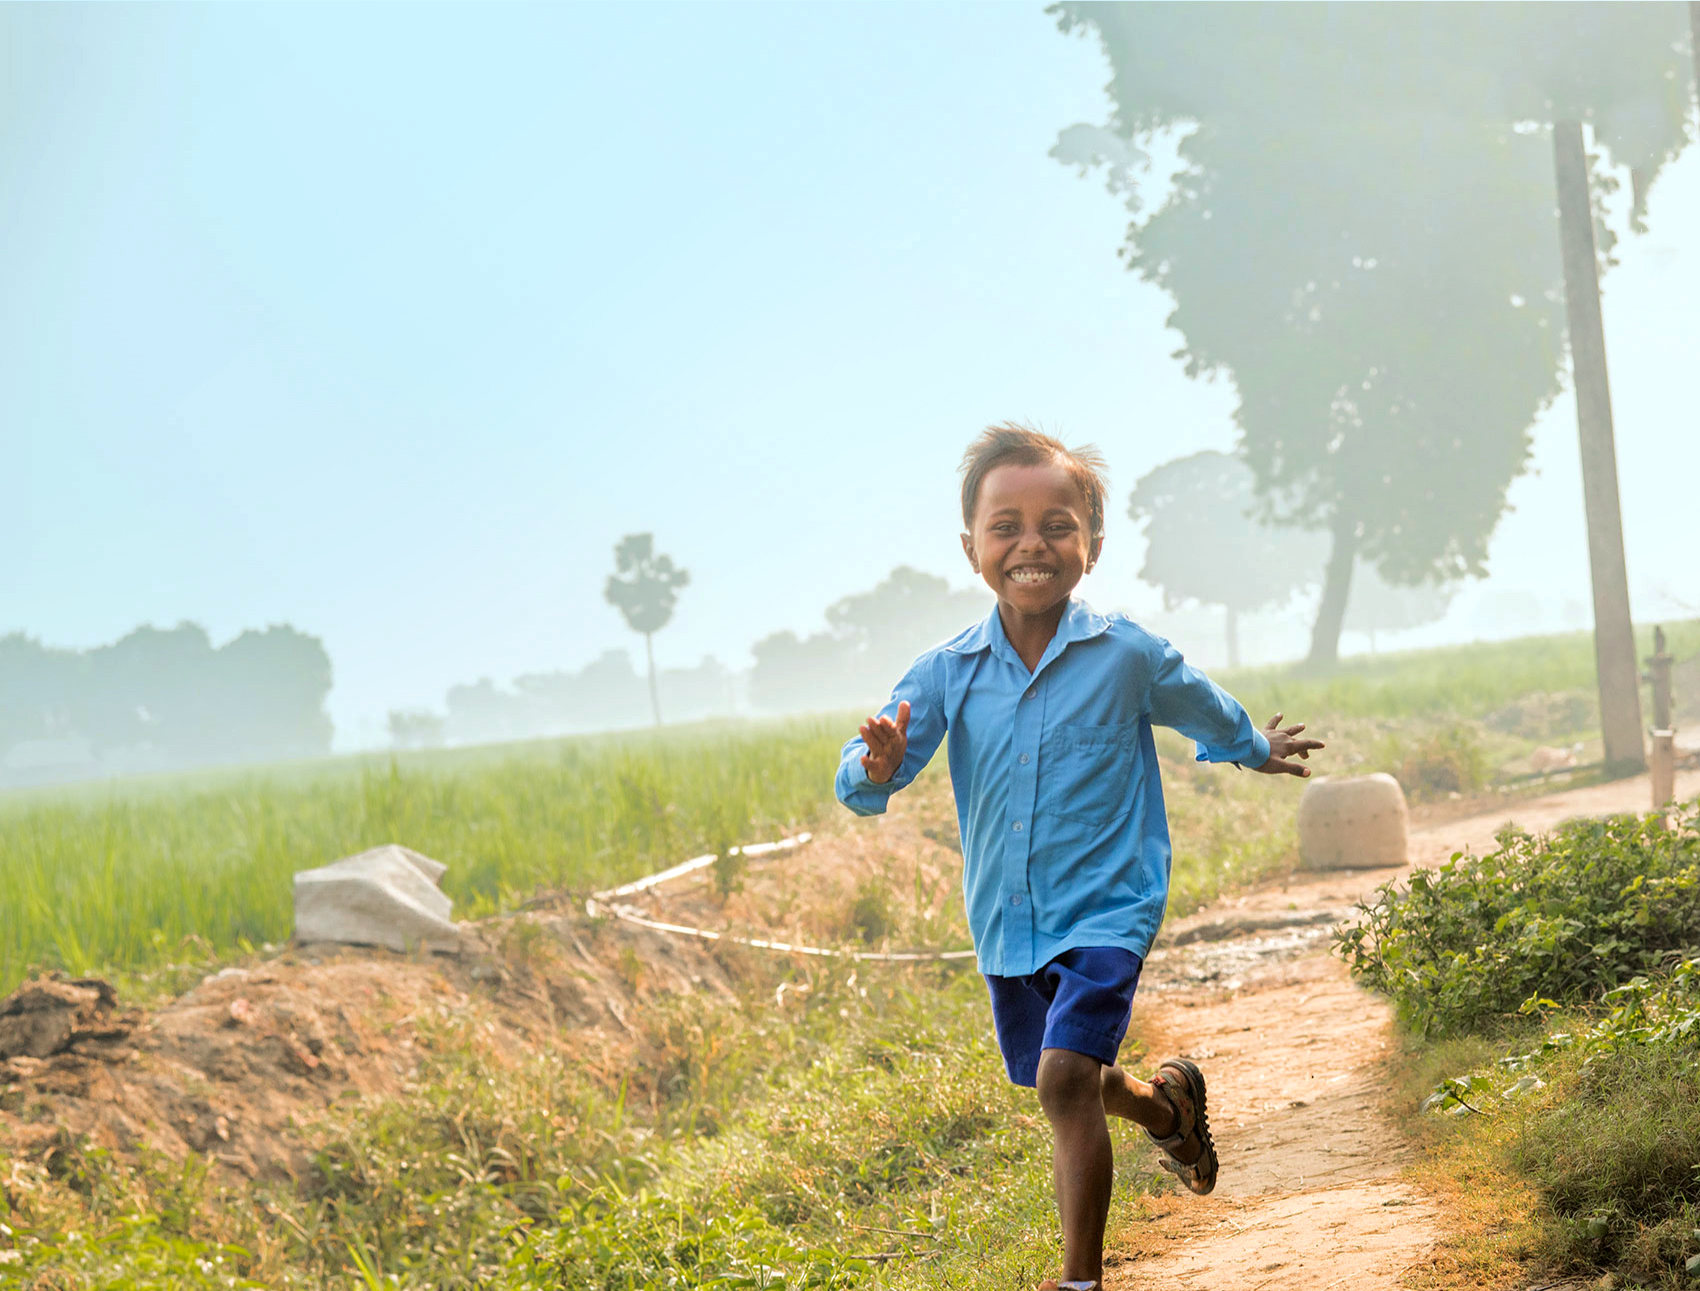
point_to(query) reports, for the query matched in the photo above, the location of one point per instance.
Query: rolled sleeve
(1182, 697)
(926, 730)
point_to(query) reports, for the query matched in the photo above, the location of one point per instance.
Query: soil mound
(241, 1066)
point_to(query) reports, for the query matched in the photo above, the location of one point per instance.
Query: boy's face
(1032, 540)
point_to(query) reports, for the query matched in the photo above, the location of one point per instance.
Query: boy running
(1065, 845)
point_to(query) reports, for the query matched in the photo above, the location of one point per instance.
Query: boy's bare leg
(1133, 1100)
(1082, 1165)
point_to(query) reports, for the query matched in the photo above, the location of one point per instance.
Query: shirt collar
(1079, 622)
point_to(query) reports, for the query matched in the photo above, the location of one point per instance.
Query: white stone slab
(387, 896)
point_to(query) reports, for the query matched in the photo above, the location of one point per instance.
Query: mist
(343, 350)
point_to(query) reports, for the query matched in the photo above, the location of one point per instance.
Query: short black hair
(1011, 443)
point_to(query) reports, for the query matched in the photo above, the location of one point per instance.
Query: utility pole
(1614, 637)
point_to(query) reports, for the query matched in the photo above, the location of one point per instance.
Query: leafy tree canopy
(645, 584)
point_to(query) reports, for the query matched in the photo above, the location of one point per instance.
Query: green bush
(1564, 917)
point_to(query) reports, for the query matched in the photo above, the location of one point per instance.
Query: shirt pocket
(1089, 772)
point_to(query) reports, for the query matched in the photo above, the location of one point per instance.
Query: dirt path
(1310, 1196)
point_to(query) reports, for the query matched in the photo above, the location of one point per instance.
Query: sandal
(1182, 1083)
(1052, 1284)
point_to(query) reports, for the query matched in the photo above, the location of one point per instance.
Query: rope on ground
(608, 903)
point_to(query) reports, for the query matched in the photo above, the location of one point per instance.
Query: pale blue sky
(389, 321)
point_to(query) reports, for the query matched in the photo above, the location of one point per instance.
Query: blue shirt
(1065, 841)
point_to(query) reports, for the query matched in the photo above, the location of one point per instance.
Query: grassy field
(124, 878)
(1458, 683)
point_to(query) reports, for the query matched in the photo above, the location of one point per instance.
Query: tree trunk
(1336, 591)
(1694, 41)
(654, 695)
(1231, 625)
(1614, 638)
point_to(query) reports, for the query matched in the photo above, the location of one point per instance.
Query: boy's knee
(1068, 1081)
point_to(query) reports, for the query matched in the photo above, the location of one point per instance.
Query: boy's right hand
(887, 742)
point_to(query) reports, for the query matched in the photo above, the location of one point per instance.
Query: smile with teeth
(1029, 574)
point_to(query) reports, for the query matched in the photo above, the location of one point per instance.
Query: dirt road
(1310, 1195)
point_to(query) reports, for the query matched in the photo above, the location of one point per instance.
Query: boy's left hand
(1284, 745)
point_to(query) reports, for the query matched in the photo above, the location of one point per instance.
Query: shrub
(1566, 917)
(1440, 763)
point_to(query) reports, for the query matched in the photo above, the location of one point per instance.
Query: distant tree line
(161, 698)
(607, 692)
(869, 639)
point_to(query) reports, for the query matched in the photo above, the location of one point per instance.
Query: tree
(644, 588)
(1361, 236)
(1379, 606)
(170, 692)
(871, 638)
(1204, 542)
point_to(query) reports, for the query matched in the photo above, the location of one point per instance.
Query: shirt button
(1030, 694)
(1018, 826)
(1025, 759)
(1016, 899)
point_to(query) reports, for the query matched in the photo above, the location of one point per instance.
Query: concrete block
(1353, 823)
(387, 896)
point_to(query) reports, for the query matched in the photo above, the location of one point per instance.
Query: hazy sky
(389, 321)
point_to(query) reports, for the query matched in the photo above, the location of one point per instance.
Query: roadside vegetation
(829, 1125)
(1552, 994)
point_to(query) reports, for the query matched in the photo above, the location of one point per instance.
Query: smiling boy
(1049, 708)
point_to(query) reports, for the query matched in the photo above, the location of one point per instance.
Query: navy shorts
(1081, 1000)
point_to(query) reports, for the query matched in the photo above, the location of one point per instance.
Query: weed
(729, 866)
(870, 916)
(1442, 762)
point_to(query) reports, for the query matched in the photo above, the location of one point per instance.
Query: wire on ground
(608, 903)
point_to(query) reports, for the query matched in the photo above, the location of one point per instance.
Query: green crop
(131, 876)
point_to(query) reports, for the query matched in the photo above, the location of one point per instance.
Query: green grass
(123, 878)
(1459, 683)
(867, 1117)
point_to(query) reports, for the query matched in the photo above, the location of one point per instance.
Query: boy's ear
(968, 551)
(1094, 551)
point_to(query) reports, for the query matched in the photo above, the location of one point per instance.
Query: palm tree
(644, 588)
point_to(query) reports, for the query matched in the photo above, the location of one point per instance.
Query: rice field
(131, 875)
